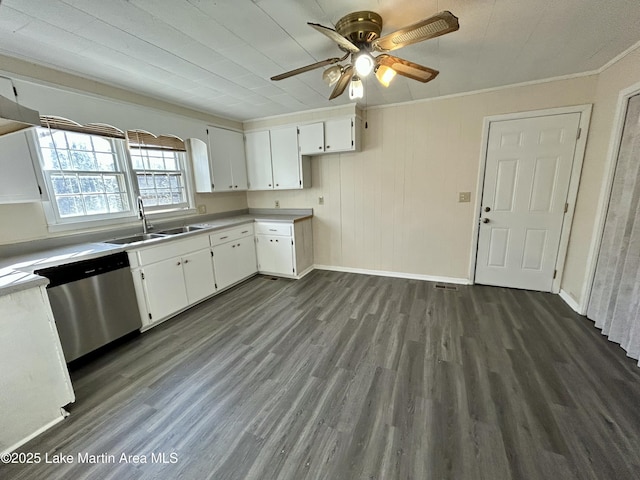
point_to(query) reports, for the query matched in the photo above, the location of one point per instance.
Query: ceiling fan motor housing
(361, 28)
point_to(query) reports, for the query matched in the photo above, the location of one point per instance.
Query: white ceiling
(217, 55)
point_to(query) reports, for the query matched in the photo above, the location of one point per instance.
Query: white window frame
(56, 223)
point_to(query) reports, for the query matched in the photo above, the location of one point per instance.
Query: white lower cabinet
(199, 279)
(164, 289)
(234, 255)
(284, 249)
(171, 277)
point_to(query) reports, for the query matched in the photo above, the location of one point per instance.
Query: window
(158, 165)
(95, 172)
(84, 173)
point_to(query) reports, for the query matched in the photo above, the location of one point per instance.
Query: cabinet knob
(236, 186)
(238, 245)
(230, 186)
(186, 261)
(487, 209)
(320, 147)
(269, 184)
(276, 241)
(328, 146)
(485, 220)
(277, 184)
(233, 246)
(178, 263)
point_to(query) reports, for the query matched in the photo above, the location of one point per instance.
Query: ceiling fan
(358, 35)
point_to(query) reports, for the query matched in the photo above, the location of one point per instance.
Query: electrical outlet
(464, 197)
(277, 203)
(321, 200)
(202, 209)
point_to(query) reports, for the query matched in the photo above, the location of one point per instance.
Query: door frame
(605, 193)
(576, 170)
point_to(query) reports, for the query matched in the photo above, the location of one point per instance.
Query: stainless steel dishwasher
(93, 302)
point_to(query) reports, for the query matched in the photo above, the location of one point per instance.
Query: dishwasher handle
(73, 272)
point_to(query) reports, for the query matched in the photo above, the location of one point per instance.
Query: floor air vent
(445, 287)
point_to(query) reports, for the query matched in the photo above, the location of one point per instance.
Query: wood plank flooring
(343, 376)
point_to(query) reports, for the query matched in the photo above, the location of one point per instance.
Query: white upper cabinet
(311, 138)
(228, 161)
(258, 150)
(220, 166)
(273, 160)
(340, 135)
(331, 136)
(285, 159)
(18, 182)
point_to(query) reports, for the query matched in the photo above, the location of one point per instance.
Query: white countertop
(16, 273)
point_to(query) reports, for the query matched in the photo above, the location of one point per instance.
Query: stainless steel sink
(178, 230)
(136, 238)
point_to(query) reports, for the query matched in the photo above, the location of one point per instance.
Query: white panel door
(258, 151)
(338, 135)
(275, 254)
(164, 288)
(527, 175)
(226, 149)
(311, 139)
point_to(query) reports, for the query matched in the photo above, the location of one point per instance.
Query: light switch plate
(202, 209)
(464, 197)
(321, 200)
(277, 203)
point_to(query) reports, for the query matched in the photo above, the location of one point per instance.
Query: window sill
(88, 225)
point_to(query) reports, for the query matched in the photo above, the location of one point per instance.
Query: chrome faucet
(146, 226)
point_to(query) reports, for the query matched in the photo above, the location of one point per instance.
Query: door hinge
(212, 253)
(150, 317)
(566, 207)
(298, 131)
(292, 242)
(39, 189)
(352, 123)
(142, 275)
(207, 131)
(352, 143)
(579, 134)
(555, 272)
(294, 270)
(300, 182)
(215, 285)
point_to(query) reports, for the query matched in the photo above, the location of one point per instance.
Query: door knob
(487, 209)
(485, 220)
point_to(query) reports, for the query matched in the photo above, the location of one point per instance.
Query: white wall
(394, 206)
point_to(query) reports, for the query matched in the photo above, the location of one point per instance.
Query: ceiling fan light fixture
(385, 74)
(364, 64)
(332, 74)
(356, 89)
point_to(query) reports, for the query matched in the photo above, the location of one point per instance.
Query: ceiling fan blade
(407, 69)
(342, 83)
(342, 42)
(308, 68)
(443, 22)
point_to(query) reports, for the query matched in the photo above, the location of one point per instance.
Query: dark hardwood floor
(343, 376)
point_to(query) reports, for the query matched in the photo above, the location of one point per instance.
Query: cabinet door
(311, 139)
(239, 170)
(224, 263)
(18, 182)
(258, 151)
(247, 263)
(197, 152)
(338, 135)
(222, 148)
(198, 275)
(164, 288)
(275, 254)
(285, 158)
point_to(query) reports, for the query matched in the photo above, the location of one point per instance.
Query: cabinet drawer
(175, 248)
(263, 228)
(229, 234)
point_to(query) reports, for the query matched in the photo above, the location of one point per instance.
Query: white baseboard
(575, 306)
(385, 273)
(44, 428)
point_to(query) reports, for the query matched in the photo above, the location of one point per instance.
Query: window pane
(70, 206)
(95, 204)
(149, 199)
(112, 184)
(79, 141)
(63, 185)
(145, 181)
(137, 162)
(156, 163)
(106, 162)
(162, 181)
(50, 159)
(175, 181)
(177, 198)
(83, 160)
(44, 138)
(101, 144)
(117, 203)
(91, 184)
(164, 197)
